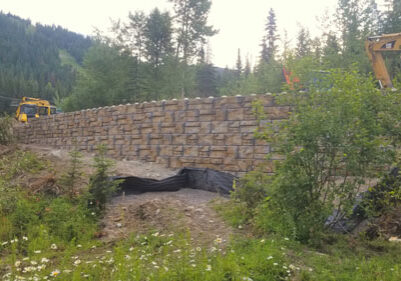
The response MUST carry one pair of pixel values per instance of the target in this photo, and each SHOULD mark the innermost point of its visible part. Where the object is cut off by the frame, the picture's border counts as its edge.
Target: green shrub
(68, 221)
(333, 141)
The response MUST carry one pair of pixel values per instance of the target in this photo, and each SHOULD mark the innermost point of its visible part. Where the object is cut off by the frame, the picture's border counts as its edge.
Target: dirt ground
(165, 212)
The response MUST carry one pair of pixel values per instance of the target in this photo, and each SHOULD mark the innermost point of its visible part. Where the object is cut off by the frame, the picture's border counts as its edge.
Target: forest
(162, 55)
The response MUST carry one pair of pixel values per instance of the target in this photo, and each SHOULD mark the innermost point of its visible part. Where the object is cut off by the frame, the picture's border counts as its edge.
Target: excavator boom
(374, 47)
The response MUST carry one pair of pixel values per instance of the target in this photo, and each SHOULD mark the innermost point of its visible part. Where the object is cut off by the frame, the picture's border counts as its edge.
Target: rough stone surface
(207, 133)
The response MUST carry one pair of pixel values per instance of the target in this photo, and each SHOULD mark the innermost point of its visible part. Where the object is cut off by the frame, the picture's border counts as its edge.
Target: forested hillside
(37, 60)
(165, 54)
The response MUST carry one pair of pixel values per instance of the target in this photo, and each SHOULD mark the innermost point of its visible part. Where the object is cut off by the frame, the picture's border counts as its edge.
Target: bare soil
(166, 212)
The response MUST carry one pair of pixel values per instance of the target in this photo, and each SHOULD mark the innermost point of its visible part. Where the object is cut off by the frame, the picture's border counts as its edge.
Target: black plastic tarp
(196, 178)
(371, 199)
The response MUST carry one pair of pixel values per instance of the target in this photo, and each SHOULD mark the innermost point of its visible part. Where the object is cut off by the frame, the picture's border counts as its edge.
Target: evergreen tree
(206, 80)
(238, 64)
(158, 37)
(392, 17)
(304, 43)
(355, 19)
(192, 30)
(269, 46)
(247, 68)
(331, 52)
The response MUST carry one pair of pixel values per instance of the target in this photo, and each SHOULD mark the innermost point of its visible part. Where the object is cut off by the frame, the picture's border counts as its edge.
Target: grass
(44, 237)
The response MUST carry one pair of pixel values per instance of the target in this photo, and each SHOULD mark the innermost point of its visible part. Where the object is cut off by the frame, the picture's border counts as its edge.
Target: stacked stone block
(215, 132)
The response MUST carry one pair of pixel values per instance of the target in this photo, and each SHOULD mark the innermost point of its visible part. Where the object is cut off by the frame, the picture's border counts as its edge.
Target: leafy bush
(6, 133)
(333, 141)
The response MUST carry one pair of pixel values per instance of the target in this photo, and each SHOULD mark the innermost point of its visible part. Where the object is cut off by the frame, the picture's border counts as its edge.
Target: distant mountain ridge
(37, 60)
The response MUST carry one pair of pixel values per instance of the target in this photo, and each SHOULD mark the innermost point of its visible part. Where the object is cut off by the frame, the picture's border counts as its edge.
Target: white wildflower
(218, 240)
(208, 267)
(55, 273)
(53, 246)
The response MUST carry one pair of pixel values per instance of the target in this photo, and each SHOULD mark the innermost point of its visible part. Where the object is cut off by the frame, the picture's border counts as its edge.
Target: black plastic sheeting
(368, 199)
(196, 178)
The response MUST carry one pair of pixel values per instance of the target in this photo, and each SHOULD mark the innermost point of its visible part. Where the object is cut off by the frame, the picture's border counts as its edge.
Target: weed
(6, 133)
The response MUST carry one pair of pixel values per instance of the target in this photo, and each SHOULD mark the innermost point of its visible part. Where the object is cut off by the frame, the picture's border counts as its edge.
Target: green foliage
(18, 163)
(100, 186)
(67, 221)
(71, 179)
(6, 133)
(191, 18)
(334, 140)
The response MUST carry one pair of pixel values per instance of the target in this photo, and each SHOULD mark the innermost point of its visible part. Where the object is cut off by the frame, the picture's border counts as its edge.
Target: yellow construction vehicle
(374, 47)
(33, 108)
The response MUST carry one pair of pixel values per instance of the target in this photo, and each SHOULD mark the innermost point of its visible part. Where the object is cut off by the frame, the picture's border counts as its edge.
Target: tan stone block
(245, 152)
(166, 150)
(233, 139)
(192, 151)
(275, 112)
(179, 139)
(262, 149)
(217, 154)
(219, 127)
(235, 114)
(187, 160)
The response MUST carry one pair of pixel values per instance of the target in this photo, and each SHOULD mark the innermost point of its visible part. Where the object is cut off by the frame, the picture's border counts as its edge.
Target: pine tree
(238, 64)
(304, 43)
(157, 37)
(269, 46)
(247, 69)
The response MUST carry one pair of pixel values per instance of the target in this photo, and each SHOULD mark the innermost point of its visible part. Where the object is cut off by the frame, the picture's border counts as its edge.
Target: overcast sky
(240, 22)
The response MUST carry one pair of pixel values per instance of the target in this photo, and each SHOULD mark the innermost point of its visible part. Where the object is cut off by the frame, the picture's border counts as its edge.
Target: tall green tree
(158, 37)
(104, 80)
(356, 19)
(392, 17)
(304, 43)
(130, 37)
(192, 29)
(238, 64)
(269, 42)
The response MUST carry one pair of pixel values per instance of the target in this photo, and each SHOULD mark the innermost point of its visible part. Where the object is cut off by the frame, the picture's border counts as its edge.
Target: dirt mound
(166, 212)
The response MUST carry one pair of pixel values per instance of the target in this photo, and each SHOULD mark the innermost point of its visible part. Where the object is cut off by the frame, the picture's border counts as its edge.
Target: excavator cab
(30, 108)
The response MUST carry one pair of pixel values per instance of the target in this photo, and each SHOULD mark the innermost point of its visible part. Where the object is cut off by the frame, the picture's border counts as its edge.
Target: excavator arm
(375, 46)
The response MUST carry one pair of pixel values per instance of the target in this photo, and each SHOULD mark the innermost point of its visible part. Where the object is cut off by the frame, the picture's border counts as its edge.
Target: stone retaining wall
(215, 132)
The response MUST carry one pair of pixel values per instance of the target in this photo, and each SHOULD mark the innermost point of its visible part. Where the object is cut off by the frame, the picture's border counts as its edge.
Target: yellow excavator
(375, 46)
(33, 108)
